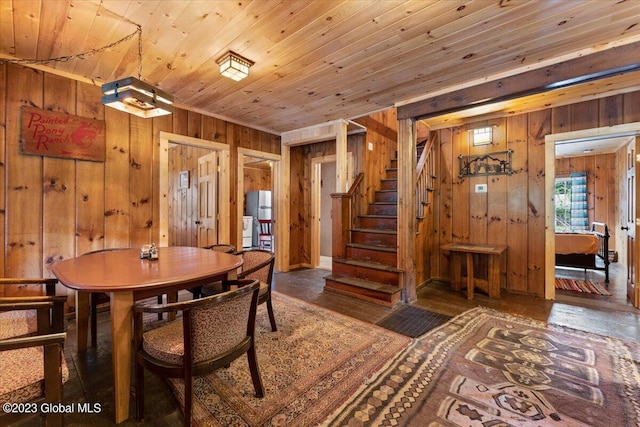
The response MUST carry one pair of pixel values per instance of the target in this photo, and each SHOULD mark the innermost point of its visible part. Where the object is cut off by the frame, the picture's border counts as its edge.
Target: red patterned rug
(584, 286)
(489, 368)
(316, 360)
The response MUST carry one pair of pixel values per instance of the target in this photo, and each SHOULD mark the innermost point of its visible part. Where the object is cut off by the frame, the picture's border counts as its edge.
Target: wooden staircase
(368, 270)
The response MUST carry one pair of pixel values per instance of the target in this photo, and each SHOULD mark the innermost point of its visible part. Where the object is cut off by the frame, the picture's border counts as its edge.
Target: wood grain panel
(140, 173)
(460, 215)
(517, 195)
(59, 186)
(584, 115)
(160, 124)
(539, 126)
(117, 195)
(90, 182)
(631, 107)
(497, 188)
(443, 197)
(611, 110)
(24, 182)
(299, 205)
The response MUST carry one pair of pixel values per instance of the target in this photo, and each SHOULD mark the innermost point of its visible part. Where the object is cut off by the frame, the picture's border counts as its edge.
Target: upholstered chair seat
(23, 374)
(32, 364)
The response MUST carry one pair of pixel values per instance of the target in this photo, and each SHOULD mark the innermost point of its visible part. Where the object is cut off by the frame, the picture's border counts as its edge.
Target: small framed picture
(184, 179)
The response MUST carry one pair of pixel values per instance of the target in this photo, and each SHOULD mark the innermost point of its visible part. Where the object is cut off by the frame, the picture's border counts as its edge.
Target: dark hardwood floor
(90, 372)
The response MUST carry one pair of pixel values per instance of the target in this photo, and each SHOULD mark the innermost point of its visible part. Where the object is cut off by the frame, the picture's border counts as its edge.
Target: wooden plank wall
(59, 208)
(512, 211)
(256, 179)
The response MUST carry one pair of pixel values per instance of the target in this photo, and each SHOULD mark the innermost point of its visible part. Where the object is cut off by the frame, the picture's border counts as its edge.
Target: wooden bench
(496, 260)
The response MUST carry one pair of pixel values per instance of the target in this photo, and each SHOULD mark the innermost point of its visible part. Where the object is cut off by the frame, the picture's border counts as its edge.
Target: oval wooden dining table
(128, 278)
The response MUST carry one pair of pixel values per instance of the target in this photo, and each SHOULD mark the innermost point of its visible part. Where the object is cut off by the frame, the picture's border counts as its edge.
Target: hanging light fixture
(136, 97)
(234, 66)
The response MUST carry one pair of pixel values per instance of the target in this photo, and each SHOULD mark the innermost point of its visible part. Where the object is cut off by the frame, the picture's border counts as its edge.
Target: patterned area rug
(412, 321)
(488, 368)
(315, 360)
(583, 286)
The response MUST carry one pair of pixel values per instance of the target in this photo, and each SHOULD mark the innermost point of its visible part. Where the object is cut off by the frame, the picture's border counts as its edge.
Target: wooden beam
(376, 126)
(615, 61)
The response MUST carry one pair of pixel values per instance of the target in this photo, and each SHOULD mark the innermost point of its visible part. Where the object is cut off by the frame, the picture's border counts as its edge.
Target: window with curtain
(571, 203)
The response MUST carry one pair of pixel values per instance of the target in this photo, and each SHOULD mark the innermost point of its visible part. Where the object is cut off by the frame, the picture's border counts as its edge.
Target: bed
(588, 250)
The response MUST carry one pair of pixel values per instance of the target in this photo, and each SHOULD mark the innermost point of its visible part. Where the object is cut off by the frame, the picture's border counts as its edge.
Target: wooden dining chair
(258, 264)
(190, 346)
(32, 364)
(220, 247)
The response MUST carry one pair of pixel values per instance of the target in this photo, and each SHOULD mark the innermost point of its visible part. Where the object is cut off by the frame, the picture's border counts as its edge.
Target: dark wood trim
(599, 65)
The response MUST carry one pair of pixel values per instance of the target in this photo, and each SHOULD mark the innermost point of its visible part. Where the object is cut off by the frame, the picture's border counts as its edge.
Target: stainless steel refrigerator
(258, 205)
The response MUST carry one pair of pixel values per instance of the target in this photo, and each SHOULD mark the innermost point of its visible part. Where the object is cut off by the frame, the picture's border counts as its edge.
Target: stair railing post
(342, 218)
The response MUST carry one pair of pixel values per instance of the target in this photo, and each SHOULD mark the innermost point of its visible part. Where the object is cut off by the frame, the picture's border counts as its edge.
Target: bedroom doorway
(602, 155)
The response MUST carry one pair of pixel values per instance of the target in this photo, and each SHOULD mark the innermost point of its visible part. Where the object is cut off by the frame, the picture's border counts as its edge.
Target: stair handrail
(424, 177)
(356, 184)
(343, 217)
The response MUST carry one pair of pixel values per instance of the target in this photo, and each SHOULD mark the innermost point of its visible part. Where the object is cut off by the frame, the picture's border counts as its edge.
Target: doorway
(605, 149)
(257, 170)
(323, 184)
(172, 186)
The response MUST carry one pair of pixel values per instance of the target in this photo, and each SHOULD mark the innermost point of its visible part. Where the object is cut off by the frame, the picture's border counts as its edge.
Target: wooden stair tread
(375, 231)
(378, 216)
(367, 264)
(366, 284)
(373, 247)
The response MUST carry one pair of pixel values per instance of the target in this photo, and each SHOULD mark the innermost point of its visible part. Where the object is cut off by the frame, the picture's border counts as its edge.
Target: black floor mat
(412, 321)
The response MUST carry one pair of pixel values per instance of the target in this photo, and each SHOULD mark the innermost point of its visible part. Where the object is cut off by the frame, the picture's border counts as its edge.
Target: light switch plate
(481, 188)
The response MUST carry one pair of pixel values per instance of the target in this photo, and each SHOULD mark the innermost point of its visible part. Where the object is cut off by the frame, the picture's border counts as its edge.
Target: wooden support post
(341, 220)
(407, 206)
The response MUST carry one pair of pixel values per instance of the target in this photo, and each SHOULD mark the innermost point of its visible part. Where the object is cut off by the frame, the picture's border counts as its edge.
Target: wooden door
(207, 199)
(633, 282)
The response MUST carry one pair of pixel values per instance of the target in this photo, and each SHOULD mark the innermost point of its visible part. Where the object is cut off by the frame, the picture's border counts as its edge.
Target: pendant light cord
(84, 55)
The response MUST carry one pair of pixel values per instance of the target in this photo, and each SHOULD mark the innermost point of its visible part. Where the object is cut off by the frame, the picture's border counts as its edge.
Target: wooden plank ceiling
(316, 61)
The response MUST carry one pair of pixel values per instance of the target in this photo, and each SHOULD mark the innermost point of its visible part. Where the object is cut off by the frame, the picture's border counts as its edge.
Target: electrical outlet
(481, 188)
(370, 146)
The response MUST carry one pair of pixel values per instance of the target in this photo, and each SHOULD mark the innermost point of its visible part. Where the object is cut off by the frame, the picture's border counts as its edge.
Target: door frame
(275, 159)
(630, 129)
(316, 191)
(316, 202)
(224, 220)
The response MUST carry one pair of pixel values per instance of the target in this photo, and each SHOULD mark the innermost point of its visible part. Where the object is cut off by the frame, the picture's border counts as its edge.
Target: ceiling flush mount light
(136, 97)
(482, 135)
(234, 66)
